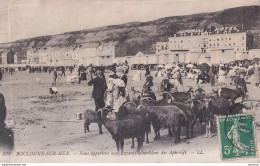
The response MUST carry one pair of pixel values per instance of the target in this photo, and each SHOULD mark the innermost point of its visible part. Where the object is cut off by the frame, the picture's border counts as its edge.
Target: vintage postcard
(143, 81)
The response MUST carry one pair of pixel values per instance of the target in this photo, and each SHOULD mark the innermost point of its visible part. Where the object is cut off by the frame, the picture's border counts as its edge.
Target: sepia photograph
(129, 81)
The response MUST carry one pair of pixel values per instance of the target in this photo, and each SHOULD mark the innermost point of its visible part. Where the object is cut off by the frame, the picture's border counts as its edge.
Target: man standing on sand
(63, 71)
(99, 88)
(55, 75)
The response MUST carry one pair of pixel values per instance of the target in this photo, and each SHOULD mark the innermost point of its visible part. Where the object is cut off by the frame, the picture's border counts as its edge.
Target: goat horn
(145, 98)
(169, 94)
(127, 103)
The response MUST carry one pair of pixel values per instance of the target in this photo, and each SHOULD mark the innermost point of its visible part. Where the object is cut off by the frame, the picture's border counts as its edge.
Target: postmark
(237, 136)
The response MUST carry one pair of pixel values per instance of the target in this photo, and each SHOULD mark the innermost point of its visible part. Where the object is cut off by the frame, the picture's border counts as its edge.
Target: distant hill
(142, 36)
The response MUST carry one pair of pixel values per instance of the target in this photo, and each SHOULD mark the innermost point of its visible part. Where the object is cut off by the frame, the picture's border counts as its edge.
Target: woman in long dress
(222, 76)
(256, 74)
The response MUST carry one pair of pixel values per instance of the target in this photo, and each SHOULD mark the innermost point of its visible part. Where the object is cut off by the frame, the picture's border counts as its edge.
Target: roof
(88, 45)
(111, 43)
(223, 48)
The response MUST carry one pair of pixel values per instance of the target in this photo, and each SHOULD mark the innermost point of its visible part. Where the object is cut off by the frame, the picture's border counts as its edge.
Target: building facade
(9, 57)
(162, 47)
(79, 54)
(239, 42)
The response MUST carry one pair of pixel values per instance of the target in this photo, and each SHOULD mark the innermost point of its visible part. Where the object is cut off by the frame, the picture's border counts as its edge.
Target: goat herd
(174, 111)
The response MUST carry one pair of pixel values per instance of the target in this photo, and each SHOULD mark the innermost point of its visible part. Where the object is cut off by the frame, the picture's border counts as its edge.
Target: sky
(30, 18)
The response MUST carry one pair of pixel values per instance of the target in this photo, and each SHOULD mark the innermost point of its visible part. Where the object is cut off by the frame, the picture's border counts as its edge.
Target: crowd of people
(111, 92)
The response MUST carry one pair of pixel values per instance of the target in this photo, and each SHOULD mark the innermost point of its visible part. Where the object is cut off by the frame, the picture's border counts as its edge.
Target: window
(210, 45)
(223, 51)
(107, 56)
(181, 41)
(230, 38)
(217, 39)
(237, 49)
(243, 38)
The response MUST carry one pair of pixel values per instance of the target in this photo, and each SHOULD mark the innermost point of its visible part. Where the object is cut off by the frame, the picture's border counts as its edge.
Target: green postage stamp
(237, 136)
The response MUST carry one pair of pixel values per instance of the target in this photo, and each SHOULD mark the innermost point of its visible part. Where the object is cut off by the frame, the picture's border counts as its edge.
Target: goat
(187, 108)
(125, 111)
(231, 94)
(127, 127)
(90, 116)
(219, 106)
(170, 116)
(178, 96)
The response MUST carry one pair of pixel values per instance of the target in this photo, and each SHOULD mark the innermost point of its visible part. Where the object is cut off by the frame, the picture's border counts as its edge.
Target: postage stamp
(237, 136)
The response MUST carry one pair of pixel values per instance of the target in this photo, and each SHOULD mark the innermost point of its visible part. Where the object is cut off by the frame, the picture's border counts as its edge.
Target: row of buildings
(223, 44)
(80, 54)
(199, 46)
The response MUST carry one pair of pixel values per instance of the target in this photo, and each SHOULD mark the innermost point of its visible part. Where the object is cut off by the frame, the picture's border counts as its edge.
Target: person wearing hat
(55, 76)
(241, 83)
(147, 92)
(99, 88)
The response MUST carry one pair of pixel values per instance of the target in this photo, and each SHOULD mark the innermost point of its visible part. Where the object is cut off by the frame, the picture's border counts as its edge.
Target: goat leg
(86, 126)
(122, 146)
(191, 131)
(139, 143)
(188, 130)
(207, 129)
(133, 143)
(147, 139)
(117, 145)
(100, 128)
(170, 131)
(178, 134)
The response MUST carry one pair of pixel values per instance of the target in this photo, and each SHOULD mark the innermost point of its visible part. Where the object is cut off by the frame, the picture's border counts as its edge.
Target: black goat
(123, 128)
(231, 94)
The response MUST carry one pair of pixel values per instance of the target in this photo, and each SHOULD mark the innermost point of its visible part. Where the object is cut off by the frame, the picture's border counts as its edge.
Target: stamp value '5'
(237, 136)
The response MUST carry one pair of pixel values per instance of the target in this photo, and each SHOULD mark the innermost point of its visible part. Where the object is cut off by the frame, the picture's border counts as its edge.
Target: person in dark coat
(124, 78)
(99, 88)
(147, 70)
(2, 111)
(55, 76)
(179, 77)
(212, 74)
(241, 83)
(1, 74)
(6, 135)
(63, 71)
